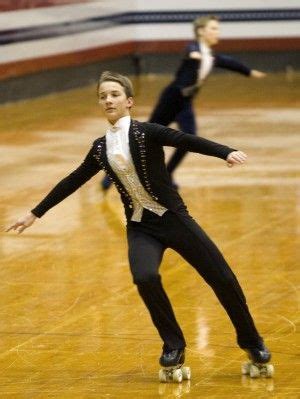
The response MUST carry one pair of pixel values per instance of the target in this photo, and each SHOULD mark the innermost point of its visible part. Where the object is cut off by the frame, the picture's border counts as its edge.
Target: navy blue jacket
(187, 73)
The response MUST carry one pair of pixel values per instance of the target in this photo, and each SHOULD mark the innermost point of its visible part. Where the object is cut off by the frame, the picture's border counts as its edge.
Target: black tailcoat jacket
(146, 142)
(188, 71)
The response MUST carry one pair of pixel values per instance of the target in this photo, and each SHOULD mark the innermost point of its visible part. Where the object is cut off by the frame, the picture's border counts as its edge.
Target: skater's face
(113, 101)
(210, 33)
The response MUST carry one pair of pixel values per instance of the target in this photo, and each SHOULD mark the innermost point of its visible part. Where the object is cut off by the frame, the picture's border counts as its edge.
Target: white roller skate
(173, 369)
(258, 365)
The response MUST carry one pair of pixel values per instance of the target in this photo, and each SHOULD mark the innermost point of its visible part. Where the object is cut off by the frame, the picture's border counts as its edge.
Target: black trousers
(147, 242)
(174, 107)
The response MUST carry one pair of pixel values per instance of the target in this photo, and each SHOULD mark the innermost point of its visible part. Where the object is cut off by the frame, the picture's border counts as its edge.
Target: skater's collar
(204, 48)
(122, 123)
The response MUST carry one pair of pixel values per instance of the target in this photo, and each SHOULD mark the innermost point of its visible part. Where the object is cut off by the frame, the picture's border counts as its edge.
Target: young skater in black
(176, 100)
(131, 153)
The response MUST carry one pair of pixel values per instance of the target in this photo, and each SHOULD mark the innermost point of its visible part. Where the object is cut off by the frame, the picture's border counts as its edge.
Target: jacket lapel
(101, 157)
(134, 138)
(137, 146)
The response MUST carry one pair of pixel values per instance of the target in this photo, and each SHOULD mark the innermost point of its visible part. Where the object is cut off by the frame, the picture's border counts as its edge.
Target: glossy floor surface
(72, 323)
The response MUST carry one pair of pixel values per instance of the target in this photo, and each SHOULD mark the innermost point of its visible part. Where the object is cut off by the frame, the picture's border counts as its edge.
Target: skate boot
(259, 357)
(105, 183)
(172, 362)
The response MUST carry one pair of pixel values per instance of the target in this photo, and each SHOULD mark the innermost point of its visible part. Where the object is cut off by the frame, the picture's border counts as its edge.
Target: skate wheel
(186, 373)
(269, 370)
(254, 371)
(177, 375)
(162, 376)
(245, 368)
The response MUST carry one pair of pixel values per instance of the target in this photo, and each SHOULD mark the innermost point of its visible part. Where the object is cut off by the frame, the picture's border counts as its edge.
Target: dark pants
(174, 107)
(147, 242)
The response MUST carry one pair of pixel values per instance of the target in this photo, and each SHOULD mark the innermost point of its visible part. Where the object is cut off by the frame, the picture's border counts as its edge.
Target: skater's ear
(130, 102)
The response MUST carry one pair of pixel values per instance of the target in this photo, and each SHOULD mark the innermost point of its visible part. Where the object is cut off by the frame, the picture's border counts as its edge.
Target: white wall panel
(66, 44)
(236, 30)
(215, 4)
(59, 14)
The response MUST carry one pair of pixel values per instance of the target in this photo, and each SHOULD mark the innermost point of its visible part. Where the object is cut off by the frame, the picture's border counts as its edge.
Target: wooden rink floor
(72, 323)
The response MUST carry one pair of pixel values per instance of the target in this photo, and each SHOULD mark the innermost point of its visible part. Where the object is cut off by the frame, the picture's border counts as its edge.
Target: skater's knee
(229, 279)
(228, 285)
(146, 279)
(226, 281)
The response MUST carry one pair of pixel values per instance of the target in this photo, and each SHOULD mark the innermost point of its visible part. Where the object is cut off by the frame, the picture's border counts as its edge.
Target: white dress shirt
(120, 160)
(206, 61)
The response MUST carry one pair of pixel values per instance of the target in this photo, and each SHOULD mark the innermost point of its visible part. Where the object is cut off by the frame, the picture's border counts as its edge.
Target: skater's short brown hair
(201, 22)
(108, 76)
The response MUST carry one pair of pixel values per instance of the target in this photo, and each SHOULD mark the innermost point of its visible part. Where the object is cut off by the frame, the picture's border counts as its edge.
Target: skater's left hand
(257, 74)
(236, 157)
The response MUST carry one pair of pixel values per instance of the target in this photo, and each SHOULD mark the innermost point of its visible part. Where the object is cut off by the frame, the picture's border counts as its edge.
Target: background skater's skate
(258, 365)
(172, 363)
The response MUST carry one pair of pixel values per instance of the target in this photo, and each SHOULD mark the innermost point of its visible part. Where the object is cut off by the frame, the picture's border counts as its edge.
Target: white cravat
(206, 63)
(120, 160)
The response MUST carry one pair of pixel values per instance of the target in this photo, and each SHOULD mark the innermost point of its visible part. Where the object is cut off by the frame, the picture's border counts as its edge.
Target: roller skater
(131, 153)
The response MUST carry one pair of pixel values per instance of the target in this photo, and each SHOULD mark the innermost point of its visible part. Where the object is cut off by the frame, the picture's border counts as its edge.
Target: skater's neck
(204, 45)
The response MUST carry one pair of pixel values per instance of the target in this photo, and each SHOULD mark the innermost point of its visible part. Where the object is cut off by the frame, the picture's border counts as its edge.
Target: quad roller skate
(172, 363)
(258, 365)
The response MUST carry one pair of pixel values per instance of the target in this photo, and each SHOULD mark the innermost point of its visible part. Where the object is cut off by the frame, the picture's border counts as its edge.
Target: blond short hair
(201, 22)
(108, 76)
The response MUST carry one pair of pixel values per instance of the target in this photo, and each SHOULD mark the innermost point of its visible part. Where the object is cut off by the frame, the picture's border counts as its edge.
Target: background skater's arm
(227, 62)
(63, 189)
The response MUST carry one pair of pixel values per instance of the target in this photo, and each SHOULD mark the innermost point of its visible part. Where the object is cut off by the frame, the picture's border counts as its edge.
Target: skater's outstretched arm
(227, 62)
(62, 190)
(224, 61)
(166, 136)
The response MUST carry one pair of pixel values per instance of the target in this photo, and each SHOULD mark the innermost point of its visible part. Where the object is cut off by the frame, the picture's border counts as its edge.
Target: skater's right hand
(21, 224)
(257, 74)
